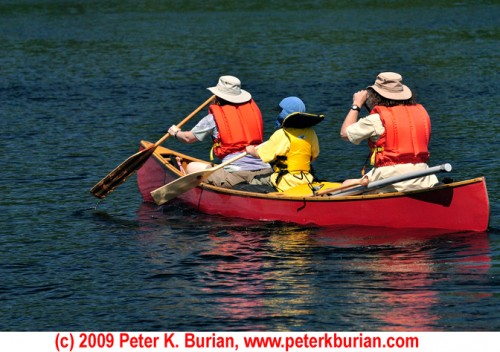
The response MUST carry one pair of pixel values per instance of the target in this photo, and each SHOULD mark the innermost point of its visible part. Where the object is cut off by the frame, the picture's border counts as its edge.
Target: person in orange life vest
(233, 122)
(291, 148)
(397, 129)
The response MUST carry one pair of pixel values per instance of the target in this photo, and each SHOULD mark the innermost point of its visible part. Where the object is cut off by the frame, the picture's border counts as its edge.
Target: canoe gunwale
(162, 152)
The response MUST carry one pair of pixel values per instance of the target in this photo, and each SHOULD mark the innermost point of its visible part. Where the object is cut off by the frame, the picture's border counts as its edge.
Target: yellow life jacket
(298, 158)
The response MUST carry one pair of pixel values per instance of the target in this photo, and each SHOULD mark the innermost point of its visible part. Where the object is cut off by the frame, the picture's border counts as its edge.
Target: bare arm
(250, 149)
(358, 99)
(183, 136)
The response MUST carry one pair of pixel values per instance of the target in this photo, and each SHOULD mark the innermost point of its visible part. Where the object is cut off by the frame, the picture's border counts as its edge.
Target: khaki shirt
(368, 127)
(371, 128)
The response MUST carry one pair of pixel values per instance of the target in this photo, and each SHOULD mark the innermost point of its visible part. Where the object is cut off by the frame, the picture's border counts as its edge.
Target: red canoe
(461, 206)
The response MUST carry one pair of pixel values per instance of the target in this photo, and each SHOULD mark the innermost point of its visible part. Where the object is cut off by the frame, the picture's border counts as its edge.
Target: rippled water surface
(81, 83)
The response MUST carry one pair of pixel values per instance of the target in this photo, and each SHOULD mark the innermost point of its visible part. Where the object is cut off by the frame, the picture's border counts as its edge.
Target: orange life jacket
(406, 137)
(238, 125)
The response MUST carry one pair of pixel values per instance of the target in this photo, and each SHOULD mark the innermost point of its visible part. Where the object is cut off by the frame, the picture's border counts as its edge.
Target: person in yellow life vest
(291, 148)
(398, 131)
(234, 121)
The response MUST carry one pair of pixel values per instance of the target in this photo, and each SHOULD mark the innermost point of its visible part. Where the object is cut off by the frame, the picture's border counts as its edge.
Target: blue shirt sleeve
(205, 127)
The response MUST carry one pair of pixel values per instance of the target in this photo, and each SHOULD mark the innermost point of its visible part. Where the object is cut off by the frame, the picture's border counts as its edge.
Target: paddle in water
(133, 163)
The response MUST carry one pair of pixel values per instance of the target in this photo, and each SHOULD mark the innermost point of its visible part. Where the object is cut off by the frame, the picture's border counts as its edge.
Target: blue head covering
(289, 105)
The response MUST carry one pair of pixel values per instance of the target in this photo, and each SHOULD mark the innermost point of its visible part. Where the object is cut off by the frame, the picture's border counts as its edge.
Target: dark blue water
(81, 83)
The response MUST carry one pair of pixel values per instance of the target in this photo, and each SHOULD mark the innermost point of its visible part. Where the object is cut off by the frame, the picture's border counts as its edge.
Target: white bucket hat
(390, 85)
(229, 88)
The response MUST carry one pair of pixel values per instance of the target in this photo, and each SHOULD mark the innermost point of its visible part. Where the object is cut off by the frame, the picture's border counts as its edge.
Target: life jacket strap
(371, 157)
(374, 154)
(215, 145)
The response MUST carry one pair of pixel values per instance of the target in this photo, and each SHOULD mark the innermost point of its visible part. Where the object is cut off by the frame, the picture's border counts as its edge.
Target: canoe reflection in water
(245, 275)
(407, 280)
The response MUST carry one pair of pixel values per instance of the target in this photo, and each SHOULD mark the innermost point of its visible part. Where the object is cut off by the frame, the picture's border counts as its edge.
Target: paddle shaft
(390, 180)
(363, 182)
(232, 160)
(183, 122)
(134, 162)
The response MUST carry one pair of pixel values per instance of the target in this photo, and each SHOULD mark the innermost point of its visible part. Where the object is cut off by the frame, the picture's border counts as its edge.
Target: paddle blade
(179, 186)
(189, 181)
(121, 172)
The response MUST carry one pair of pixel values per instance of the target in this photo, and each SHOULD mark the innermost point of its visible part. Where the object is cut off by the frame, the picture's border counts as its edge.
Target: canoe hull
(461, 206)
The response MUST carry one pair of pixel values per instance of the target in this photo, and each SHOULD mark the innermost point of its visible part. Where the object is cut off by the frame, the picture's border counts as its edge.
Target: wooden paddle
(308, 189)
(363, 182)
(185, 183)
(133, 163)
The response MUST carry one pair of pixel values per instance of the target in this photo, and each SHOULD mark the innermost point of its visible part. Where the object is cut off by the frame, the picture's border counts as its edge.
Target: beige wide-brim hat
(390, 85)
(229, 88)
